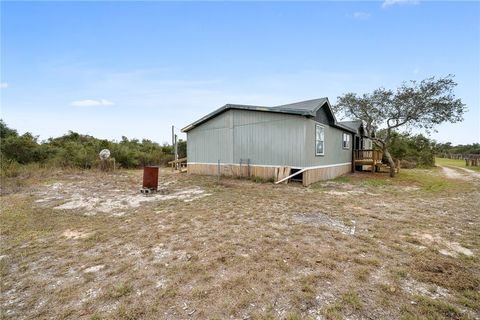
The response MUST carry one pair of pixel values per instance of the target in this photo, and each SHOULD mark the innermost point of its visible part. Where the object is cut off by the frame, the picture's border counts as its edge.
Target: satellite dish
(104, 154)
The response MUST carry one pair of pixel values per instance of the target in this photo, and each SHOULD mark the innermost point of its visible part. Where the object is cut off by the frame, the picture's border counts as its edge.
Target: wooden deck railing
(368, 155)
(178, 164)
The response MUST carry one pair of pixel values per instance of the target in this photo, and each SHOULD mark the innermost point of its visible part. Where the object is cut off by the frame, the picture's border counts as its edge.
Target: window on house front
(346, 141)
(319, 140)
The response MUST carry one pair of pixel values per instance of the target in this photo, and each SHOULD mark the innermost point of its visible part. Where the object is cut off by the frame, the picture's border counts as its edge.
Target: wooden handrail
(368, 154)
(177, 161)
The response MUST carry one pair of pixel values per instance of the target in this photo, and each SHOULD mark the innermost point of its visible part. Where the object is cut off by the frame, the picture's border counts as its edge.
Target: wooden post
(240, 173)
(353, 160)
(373, 161)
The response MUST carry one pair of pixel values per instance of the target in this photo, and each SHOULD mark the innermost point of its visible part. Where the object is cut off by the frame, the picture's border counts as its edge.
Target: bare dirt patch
(94, 268)
(91, 196)
(445, 247)
(325, 220)
(75, 234)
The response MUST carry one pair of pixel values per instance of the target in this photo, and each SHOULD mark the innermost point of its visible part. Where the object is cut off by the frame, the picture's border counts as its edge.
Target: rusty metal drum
(150, 177)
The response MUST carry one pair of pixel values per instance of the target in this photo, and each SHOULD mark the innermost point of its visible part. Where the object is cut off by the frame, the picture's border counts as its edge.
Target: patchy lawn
(88, 245)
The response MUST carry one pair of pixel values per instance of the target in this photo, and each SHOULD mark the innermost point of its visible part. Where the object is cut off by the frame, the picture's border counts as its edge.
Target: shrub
(77, 150)
(413, 150)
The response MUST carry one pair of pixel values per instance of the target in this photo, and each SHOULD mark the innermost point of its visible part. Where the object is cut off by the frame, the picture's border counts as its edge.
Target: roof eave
(240, 107)
(340, 126)
(205, 118)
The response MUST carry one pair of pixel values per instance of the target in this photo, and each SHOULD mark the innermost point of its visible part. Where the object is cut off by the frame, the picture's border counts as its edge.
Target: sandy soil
(88, 245)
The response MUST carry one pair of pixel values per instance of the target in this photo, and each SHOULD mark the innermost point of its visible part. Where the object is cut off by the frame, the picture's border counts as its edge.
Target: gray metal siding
(334, 151)
(268, 138)
(265, 138)
(323, 116)
(212, 140)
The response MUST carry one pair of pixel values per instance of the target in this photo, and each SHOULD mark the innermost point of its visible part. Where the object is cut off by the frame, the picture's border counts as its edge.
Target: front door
(357, 143)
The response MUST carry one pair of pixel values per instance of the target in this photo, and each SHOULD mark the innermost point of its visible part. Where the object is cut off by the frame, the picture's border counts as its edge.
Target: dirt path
(455, 174)
(471, 172)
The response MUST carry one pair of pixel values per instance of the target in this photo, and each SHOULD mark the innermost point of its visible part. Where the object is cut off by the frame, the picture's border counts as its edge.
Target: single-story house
(245, 140)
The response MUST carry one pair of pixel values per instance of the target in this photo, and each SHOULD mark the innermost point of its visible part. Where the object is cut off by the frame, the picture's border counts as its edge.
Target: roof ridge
(245, 105)
(303, 101)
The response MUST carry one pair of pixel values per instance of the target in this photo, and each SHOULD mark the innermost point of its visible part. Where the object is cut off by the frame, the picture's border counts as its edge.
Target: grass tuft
(120, 291)
(428, 308)
(352, 299)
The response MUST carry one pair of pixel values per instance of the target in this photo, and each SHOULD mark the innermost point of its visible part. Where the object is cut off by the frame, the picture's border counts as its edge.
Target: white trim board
(270, 166)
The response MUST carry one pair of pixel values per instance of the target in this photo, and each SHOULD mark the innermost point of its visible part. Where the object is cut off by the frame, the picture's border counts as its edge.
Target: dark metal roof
(306, 108)
(309, 107)
(354, 125)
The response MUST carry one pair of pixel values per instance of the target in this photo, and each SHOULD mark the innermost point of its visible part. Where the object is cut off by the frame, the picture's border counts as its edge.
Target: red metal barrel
(150, 177)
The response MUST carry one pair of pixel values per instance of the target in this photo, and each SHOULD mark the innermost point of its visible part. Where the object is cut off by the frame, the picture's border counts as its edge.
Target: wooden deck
(368, 157)
(180, 164)
(373, 158)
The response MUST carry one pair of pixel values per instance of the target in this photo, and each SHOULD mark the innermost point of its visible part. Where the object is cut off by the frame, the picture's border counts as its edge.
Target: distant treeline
(464, 149)
(81, 151)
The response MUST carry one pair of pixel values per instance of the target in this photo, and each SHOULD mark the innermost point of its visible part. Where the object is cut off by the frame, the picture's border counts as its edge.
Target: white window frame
(323, 142)
(346, 142)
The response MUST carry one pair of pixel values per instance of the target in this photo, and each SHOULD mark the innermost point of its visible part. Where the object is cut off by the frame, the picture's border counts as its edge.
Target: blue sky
(135, 68)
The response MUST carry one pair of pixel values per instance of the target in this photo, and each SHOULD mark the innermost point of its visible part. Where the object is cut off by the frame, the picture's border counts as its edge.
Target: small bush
(9, 168)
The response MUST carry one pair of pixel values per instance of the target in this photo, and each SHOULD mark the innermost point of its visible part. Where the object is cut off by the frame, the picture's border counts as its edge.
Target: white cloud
(361, 15)
(3, 85)
(92, 103)
(389, 3)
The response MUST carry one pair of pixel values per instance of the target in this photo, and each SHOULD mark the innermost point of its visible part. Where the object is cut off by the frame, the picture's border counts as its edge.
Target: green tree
(182, 149)
(422, 105)
(416, 149)
(5, 131)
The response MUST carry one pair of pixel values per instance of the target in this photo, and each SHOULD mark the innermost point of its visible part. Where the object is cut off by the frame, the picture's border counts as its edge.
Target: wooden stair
(372, 158)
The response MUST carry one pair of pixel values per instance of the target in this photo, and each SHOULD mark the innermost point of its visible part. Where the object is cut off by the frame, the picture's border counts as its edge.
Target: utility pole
(176, 151)
(173, 135)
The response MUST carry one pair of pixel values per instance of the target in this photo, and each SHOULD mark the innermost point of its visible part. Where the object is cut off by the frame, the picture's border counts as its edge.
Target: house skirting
(315, 174)
(232, 170)
(310, 174)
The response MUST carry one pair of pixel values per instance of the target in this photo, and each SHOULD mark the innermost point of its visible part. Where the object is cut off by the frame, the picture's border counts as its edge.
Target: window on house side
(319, 140)
(346, 141)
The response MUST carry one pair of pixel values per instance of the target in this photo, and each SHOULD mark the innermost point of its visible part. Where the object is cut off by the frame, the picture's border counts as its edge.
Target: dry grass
(240, 249)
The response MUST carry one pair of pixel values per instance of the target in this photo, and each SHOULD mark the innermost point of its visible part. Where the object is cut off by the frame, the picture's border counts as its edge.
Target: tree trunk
(390, 162)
